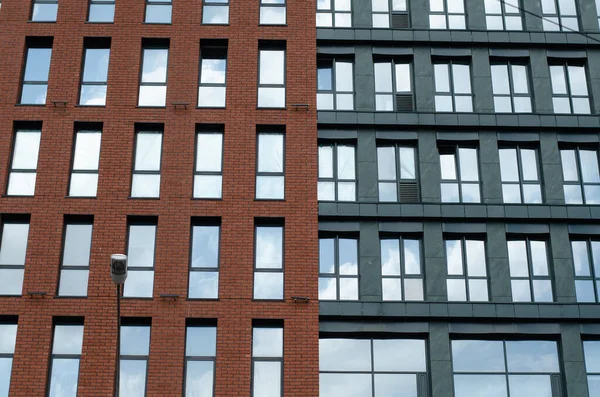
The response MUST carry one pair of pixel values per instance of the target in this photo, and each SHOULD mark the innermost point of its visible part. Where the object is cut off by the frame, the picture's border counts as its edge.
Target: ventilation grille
(409, 192)
(422, 387)
(556, 385)
(400, 21)
(404, 103)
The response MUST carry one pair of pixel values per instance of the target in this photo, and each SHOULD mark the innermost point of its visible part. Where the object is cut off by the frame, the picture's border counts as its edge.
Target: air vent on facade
(422, 385)
(404, 103)
(400, 21)
(556, 383)
(409, 192)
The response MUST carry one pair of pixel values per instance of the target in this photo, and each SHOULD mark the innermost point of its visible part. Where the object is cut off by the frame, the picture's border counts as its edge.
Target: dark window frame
(449, 63)
(399, 181)
(84, 129)
(81, 221)
(403, 275)
(335, 178)
(136, 322)
(213, 359)
(336, 275)
(35, 43)
(580, 183)
(158, 3)
(269, 223)
(521, 182)
(465, 268)
(511, 85)
(394, 92)
(100, 2)
(333, 12)
(153, 44)
(204, 222)
(270, 130)
(11, 170)
(454, 149)
(565, 64)
(330, 63)
(213, 50)
(272, 46)
(141, 221)
(215, 3)
(447, 14)
(36, 2)
(273, 324)
(390, 14)
(532, 277)
(93, 44)
(504, 15)
(59, 323)
(593, 277)
(262, 4)
(208, 129)
(559, 18)
(25, 220)
(9, 321)
(154, 130)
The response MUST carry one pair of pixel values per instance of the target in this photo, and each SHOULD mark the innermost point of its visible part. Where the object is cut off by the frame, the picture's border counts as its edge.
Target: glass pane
(529, 165)
(267, 342)
(269, 97)
(388, 192)
(344, 101)
(592, 355)
(573, 194)
(477, 356)
(272, 67)
(581, 106)
(324, 19)
(470, 193)
(442, 79)
(37, 67)
(561, 105)
(380, 5)
(14, 243)
(502, 104)
(323, 4)
(268, 285)
(208, 186)
(403, 78)
(412, 257)
(270, 187)
(270, 153)
(585, 291)
(344, 77)
(454, 257)
(383, 75)
(548, 6)
(522, 104)
(532, 356)
(390, 257)
(594, 385)
(135, 340)
(517, 259)
(456, 6)
(148, 152)
(461, 78)
(569, 165)
(519, 75)
(476, 258)
(96, 65)
(386, 163)
(272, 15)
(201, 342)
(324, 77)
(511, 193)
(158, 14)
(468, 164)
(532, 194)
(78, 241)
(443, 103)
(68, 339)
(345, 355)
(11, 281)
(63, 378)
(480, 386)
(326, 191)
(215, 14)
(93, 95)
(73, 283)
(203, 285)
(349, 289)
(348, 256)
(5, 374)
(26, 150)
(397, 385)
(199, 378)
(209, 152)
(346, 191)
(34, 94)
(520, 291)
(407, 163)
(500, 83)
(8, 338)
(509, 170)
(87, 151)
(154, 67)
(325, 162)
(413, 289)
(542, 291)
(326, 256)
(539, 258)
(456, 290)
(102, 13)
(205, 246)
(327, 288)
(342, 5)
(269, 247)
(348, 385)
(211, 96)
(325, 101)
(391, 289)
(437, 21)
(596, 256)
(589, 165)
(132, 380)
(213, 71)
(139, 284)
(577, 80)
(478, 291)
(21, 184)
(345, 162)
(448, 166)
(494, 22)
(386, 354)
(384, 103)
(557, 76)
(152, 95)
(580, 258)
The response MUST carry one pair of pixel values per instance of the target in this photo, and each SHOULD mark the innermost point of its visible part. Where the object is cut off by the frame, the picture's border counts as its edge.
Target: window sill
(90, 106)
(81, 197)
(214, 24)
(269, 200)
(39, 105)
(99, 23)
(143, 198)
(17, 196)
(146, 298)
(151, 107)
(281, 25)
(157, 23)
(202, 299)
(210, 107)
(32, 21)
(207, 199)
(62, 297)
(268, 300)
(282, 108)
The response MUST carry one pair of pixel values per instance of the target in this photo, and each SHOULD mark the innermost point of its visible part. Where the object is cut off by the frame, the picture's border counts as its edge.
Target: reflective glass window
(75, 266)
(102, 11)
(521, 176)
(401, 269)
(158, 11)
(559, 15)
(510, 86)
(213, 74)
(397, 174)
(335, 84)
(453, 87)
(215, 12)
(35, 76)
(591, 349)
(586, 263)
(338, 268)
(268, 262)
(529, 271)
(393, 86)
(13, 249)
(270, 166)
(569, 89)
(467, 270)
(86, 160)
(581, 175)
(503, 15)
(44, 10)
(23, 168)
(147, 164)
(337, 172)
(271, 77)
(204, 263)
(8, 339)
(390, 14)
(447, 14)
(66, 354)
(140, 256)
(267, 361)
(153, 79)
(208, 170)
(460, 175)
(334, 13)
(272, 12)
(94, 78)
(135, 349)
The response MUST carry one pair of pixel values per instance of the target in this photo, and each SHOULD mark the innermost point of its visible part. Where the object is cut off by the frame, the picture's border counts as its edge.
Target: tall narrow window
(460, 175)
(271, 79)
(153, 79)
(268, 262)
(337, 172)
(208, 171)
(397, 173)
(503, 15)
(102, 11)
(13, 249)
(215, 12)
(44, 10)
(393, 84)
(581, 175)
(338, 268)
(586, 260)
(397, 19)
(158, 11)
(510, 85)
(147, 164)
(204, 263)
(529, 275)
(23, 169)
(592, 365)
(94, 79)
(447, 14)
(86, 160)
(270, 166)
(8, 337)
(66, 354)
(272, 12)
(135, 349)
(520, 175)
(35, 76)
(401, 270)
(267, 360)
(75, 267)
(559, 15)
(334, 13)
(213, 73)
(467, 270)
(140, 253)
(453, 87)
(569, 89)
(200, 358)
(335, 85)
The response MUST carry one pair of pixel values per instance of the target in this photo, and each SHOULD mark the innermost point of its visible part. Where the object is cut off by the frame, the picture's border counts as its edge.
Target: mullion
(580, 175)
(398, 167)
(336, 262)
(458, 172)
(520, 171)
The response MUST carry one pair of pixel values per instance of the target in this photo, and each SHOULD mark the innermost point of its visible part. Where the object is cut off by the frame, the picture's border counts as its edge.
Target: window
(447, 14)
(335, 87)
(23, 168)
(44, 10)
(271, 78)
(213, 73)
(140, 256)
(8, 336)
(393, 161)
(460, 175)
(337, 172)
(372, 367)
(503, 15)
(591, 351)
(200, 357)
(393, 90)
(66, 353)
(401, 270)
(398, 19)
(208, 173)
(467, 274)
(510, 85)
(581, 175)
(215, 12)
(598, 11)
(86, 159)
(158, 11)
(95, 75)
(453, 87)
(146, 170)
(586, 260)
(102, 11)
(153, 81)
(520, 175)
(268, 261)
(505, 368)
(13, 248)
(529, 275)
(334, 14)
(338, 268)
(569, 89)
(35, 77)
(135, 349)
(267, 360)
(75, 267)
(204, 263)
(272, 12)
(270, 167)
(559, 15)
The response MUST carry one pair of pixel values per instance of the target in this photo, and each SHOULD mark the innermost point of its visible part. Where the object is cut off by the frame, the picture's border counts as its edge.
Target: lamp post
(118, 274)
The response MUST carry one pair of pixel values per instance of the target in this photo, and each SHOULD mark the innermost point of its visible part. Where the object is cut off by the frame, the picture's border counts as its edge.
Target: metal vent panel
(400, 21)
(409, 192)
(404, 103)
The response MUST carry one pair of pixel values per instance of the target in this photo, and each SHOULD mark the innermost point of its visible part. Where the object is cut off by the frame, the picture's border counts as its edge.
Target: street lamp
(118, 274)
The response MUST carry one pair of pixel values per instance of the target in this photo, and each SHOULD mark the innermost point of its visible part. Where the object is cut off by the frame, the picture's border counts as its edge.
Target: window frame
(521, 182)
(403, 275)
(11, 170)
(530, 269)
(215, 3)
(331, 64)
(504, 15)
(83, 130)
(396, 146)
(160, 44)
(83, 83)
(149, 130)
(336, 275)
(565, 65)
(558, 15)
(272, 324)
(447, 14)
(62, 356)
(335, 178)
(449, 63)
(334, 12)
(101, 2)
(204, 222)
(511, 85)
(454, 149)
(141, 221)
(208, 130)
(15, 221)
(150, 3)
(465, 276)
(592, 277)
(35, 45)
(580, 183)
(212, 359)
(43, 2)
(263, 4)
(134, 322)
(270, 131)
(212, 50)
(8, 322)
(270, 46)
(78, 221)
(390, 15)
(272, 224)
(394, 92)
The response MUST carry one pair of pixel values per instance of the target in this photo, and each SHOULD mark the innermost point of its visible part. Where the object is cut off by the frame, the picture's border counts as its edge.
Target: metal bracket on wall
(169, 296)
(300, 106)
(300, 299)
(36, 293)
(183, 105)
(59, 104)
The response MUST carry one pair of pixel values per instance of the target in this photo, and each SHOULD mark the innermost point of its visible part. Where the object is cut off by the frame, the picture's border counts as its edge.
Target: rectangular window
(591, 350)
(270, 166)
(200, 358)
(94, 79)
(13, 249)
(204, 263)
(581, 175)
(153, 79)
(208, 172)
(267, 360)
(268, 261)
(86, 160)
(147, 163)
(271, 77)
(529, 274)
(389, 367)
(44, 10)
(401, 270)
(397, 173)
(460, 175)
(102, 11)
(272, 12)
(158, 11)
(503, 15)
(213, 74)
(338, 268)
(337, 172)
(453, 87)
(393, 81)
(569, 89)
(215, 12)
(397, 19)
(559, 15)
(335, 86)
(510, 85)
(467, 270)
(140, 254)
(75, 266)
(23, 169)
(334, 13)
(66, 354)
(586, 260)
(447, 14)
(505, 368)
(135, 349)
(520, 175)
(8, 338)
(35, 76)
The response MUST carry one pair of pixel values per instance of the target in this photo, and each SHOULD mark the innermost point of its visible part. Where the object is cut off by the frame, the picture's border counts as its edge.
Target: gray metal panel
(332, 326)
(517, 328)
(450, 52)
(339, 226)
(401, 227)
(577, 138)
(527, 228)
(566, 54)
(397, 135)
(336, 50)
(457, 136)
(338, 134)
(508, 53)
(464, 228)
(392, 51)
(519, 136)
(584, 229)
